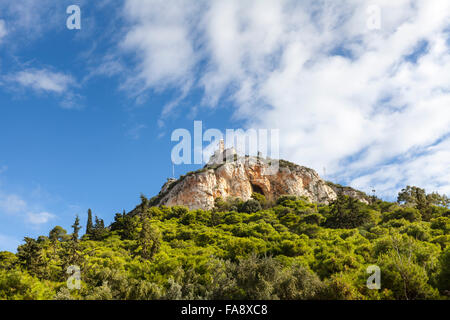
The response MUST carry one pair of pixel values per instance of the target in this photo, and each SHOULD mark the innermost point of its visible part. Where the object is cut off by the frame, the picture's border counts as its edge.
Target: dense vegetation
(290, 249)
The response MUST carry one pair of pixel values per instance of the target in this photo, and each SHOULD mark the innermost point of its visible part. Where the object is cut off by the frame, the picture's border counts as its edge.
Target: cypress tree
(89, 225)
(149, 239)
(76, 228)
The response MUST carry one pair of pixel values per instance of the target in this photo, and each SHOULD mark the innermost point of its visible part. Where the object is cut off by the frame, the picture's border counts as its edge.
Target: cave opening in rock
(257, 189)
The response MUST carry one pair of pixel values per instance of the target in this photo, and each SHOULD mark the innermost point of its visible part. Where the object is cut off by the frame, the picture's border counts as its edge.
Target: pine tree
(145, 203)
(149, 239)
(76, 228)
(99, 223)
(89, 225)
(30, 255)
(73, 256)
(99, 230)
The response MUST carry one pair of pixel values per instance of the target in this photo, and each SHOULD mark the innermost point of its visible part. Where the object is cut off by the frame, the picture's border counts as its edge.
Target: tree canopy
(255, 249)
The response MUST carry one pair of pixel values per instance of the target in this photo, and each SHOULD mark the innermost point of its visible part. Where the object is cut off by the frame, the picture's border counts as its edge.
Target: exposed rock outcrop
(241, 177)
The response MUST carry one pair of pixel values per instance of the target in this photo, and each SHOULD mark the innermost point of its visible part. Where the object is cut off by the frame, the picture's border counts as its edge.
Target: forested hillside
(290, 249)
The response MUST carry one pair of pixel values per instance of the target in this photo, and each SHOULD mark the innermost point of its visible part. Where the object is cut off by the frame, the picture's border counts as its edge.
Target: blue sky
(86, 115)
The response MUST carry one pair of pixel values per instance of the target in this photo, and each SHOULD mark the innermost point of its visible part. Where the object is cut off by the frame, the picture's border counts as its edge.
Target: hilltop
(239, 177)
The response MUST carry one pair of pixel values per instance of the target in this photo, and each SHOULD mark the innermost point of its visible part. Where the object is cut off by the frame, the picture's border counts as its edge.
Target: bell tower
(221, 146)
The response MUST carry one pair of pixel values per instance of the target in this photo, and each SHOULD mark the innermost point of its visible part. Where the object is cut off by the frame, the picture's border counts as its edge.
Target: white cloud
(8, 243)
(161, 38)
(13, 204)
(46, 81)
(39, 218)
(345, 97)
(43, 80)
(31, 18)
(135, 131)
(430, 170)
(28, 20)
(2, 29)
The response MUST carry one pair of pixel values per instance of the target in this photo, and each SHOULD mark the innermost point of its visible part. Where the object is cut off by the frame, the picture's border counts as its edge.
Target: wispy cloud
(15, 205)
(12, 203)
(30, 19)
(135, 131)
(2, 29)
(43, 81)
(430, 170)
(39, 218)
(161, 37)
(3, 169)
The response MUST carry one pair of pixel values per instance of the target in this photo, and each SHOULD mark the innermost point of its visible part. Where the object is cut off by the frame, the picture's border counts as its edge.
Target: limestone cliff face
(240, 178)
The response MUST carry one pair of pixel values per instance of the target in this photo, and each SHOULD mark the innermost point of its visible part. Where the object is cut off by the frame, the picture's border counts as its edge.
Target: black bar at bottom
(202, 309)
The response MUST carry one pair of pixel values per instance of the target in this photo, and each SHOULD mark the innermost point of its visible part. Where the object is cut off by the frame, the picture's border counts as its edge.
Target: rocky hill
(242, 176)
